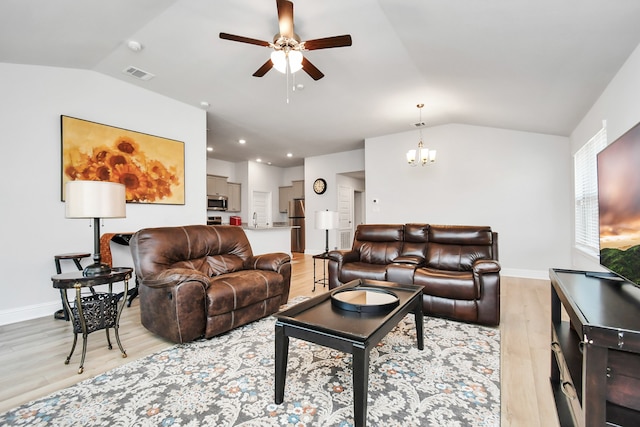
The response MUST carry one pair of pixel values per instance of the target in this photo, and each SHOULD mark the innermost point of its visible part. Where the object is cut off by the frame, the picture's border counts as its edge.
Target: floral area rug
(229, 381)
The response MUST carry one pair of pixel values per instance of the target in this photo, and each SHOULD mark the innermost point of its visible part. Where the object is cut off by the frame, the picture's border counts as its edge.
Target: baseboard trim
(29, 312)
(526, 274)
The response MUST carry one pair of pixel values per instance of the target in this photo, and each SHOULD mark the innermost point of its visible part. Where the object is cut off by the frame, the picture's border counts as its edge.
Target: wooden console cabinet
(595, 357)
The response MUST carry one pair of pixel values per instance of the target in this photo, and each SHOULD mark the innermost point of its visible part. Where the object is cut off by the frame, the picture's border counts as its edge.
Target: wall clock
(319, 186)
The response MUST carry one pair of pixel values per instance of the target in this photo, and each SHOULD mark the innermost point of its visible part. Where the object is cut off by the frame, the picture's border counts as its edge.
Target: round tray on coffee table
(365, 300)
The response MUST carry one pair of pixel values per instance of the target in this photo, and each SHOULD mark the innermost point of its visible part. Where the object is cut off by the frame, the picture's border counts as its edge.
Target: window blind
(586, 193)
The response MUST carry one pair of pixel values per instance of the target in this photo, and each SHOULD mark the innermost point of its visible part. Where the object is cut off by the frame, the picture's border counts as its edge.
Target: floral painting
(150, 167)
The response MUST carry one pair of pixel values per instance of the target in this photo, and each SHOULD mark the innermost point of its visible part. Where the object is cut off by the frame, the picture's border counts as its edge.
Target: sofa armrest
(175, 276)
(486, 266)
(343, 256)
(338, 258)
(272, 261)
(486, 274)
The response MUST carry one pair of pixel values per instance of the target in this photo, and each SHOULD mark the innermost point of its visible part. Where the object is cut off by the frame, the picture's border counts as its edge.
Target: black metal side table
(324, 257)
(96, 311)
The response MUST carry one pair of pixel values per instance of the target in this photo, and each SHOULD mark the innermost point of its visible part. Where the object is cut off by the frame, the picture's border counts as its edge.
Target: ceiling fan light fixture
(279, 59)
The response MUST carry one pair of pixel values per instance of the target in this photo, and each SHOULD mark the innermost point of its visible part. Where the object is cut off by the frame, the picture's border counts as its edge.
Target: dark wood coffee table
(318, 321)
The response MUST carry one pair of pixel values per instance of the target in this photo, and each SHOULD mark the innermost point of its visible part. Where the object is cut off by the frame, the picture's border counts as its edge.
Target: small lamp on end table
(95, 199)
(326, 220)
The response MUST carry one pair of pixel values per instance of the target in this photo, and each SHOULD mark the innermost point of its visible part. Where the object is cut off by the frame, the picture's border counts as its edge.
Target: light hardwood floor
(32, 353)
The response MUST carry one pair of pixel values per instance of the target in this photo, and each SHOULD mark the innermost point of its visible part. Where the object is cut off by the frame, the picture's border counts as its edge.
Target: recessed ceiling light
(209, 148)
(289, 154)
(242, 141)
(204, 104)
(259, 160)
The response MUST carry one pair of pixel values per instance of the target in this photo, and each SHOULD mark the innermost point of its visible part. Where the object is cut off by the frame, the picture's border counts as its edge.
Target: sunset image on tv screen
(619, 205)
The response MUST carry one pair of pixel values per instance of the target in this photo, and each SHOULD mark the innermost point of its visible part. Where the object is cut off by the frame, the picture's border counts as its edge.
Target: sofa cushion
(378, 244)
(239, 289)
(415, 242)
(456, 248)
(447, 284)
(362, 270)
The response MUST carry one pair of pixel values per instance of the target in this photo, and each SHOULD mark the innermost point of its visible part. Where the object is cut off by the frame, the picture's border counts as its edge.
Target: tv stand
(595, 358)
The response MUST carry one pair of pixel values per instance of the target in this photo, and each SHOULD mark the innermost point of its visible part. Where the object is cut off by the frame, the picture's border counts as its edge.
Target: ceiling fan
(287, 46)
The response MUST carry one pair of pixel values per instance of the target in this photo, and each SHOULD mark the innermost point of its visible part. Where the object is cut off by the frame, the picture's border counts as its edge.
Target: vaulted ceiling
(534, 66)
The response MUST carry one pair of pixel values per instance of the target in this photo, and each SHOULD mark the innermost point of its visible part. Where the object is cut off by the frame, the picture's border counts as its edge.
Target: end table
(94, 312)
(324, 257)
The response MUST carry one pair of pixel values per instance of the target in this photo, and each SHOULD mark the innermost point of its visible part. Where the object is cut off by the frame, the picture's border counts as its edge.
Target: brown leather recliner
(200, 281)
(457, 266)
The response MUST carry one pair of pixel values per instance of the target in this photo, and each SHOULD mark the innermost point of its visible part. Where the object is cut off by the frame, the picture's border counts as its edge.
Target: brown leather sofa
(200, 281)
(457, 266)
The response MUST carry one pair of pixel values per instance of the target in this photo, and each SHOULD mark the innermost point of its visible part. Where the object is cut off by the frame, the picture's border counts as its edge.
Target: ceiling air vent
(138, 73)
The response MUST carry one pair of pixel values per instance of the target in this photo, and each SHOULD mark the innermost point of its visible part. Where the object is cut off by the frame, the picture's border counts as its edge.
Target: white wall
(263, 178)
(295, 173)
(329, 167)
(258, 176)
(516, 182)
(619, 105)
(33, 225)
(222, 168)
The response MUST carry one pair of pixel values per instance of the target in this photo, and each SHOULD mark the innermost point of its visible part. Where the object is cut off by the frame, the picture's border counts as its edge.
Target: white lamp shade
(295, 60)
(95, 199)
(411, 156)
(326, 220)
(279, 61)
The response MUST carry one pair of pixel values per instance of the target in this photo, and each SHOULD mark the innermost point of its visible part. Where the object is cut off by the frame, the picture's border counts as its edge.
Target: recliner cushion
(455, 257)
(213, 265)
(362, 270)
(447, 284)
(457, 247)
(239, 289)
(378, 244)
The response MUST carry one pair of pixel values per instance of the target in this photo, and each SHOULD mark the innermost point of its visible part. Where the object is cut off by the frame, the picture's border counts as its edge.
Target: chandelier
(422, 155)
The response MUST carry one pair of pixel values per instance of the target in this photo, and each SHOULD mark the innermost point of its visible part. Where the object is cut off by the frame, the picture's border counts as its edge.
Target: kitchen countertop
(271, 227)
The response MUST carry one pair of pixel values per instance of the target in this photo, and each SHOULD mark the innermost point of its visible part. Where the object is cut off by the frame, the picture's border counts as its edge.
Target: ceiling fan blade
(328, 42)
(311, 69)
(263, 70)
(242, 39)
(285, 18)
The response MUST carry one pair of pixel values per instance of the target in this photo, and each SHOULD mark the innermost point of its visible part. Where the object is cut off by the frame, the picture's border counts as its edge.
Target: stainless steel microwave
(217, 203)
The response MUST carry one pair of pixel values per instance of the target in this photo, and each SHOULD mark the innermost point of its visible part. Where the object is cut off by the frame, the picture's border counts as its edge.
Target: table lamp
(326, 220)
(95, 199)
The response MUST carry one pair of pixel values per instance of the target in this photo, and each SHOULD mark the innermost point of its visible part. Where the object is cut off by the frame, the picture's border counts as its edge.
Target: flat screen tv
(619, 205)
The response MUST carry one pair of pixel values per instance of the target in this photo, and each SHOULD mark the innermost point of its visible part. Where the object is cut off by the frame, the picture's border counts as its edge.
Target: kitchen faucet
(255, 220)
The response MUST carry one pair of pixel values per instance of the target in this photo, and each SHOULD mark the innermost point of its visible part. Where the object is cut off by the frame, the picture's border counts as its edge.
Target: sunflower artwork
(150, 167)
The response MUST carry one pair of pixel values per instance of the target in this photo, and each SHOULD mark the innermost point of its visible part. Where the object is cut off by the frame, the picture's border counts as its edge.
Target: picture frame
(151, 167)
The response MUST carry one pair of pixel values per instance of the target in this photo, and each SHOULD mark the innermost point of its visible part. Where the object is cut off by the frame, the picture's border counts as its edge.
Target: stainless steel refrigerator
(296, 221)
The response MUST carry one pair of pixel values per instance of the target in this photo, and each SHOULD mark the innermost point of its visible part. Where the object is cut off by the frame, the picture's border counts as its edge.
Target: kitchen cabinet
(284, 195)
(298, 189)
(217, 185)
(234, 194)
